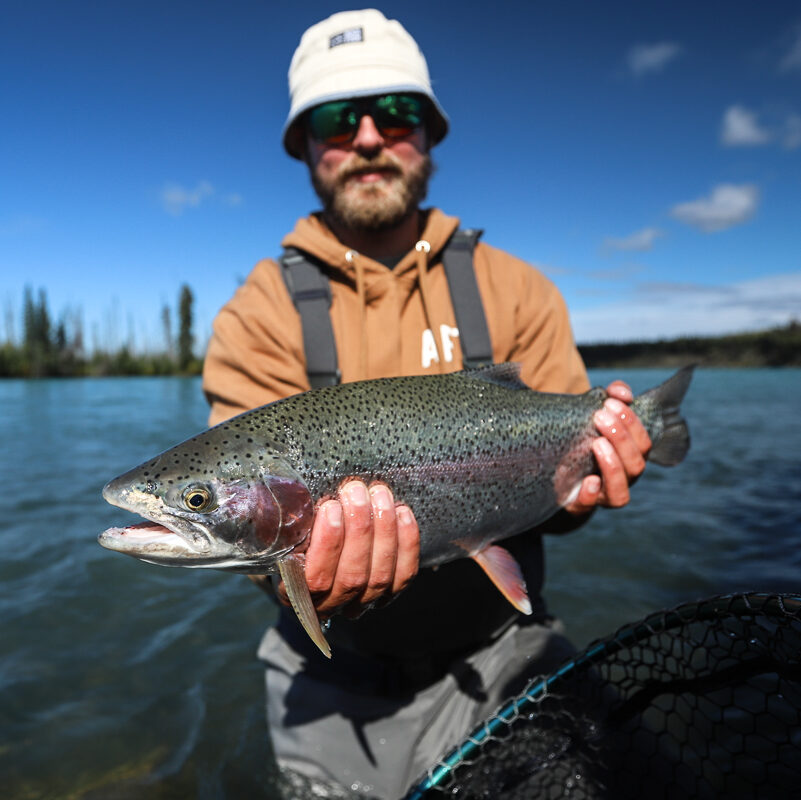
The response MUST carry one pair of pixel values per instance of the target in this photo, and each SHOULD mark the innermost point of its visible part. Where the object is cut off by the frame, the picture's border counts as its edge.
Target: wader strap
(457, 259)
(310, 290)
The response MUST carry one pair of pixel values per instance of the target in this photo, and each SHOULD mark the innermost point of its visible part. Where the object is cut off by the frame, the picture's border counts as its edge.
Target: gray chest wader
(310, 290)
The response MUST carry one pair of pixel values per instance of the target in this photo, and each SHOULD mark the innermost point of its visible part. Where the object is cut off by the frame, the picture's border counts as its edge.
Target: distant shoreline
(775, 347)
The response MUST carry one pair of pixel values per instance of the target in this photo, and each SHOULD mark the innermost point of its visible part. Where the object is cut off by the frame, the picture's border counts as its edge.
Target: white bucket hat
(357, 54)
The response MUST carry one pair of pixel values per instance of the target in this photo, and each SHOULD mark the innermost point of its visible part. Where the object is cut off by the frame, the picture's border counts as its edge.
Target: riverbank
(775, 347)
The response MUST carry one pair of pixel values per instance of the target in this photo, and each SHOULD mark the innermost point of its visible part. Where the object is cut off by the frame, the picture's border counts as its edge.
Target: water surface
(125, 680)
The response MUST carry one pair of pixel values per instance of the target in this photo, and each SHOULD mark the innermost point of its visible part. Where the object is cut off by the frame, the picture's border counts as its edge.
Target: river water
(125, 680)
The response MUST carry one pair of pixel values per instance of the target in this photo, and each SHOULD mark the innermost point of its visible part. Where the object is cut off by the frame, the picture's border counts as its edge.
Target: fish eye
(197, 498)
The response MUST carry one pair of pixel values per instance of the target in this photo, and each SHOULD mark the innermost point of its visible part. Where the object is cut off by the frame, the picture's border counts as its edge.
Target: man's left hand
(620, 451)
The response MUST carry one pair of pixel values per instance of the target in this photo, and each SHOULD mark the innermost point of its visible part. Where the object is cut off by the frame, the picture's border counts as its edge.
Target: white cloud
(664, 310)
(791, 135)
(639, 240)
(792, 58)
(176, 199)
(741, 128)
(233, 199)
(648, 58)
(728, 205)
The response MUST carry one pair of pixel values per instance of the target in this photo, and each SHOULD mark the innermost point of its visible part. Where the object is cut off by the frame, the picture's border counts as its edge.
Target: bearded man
(408, 678)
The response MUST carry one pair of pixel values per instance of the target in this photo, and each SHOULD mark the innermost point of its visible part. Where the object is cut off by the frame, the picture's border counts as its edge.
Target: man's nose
(368, 138)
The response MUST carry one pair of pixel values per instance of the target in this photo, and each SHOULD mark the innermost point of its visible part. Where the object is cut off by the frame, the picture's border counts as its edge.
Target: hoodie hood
(313, 236)
(372, 279)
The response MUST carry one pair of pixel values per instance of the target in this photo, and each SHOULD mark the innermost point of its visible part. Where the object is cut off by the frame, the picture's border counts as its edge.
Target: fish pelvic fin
(294, 576)
(672, 446)
(504, 571)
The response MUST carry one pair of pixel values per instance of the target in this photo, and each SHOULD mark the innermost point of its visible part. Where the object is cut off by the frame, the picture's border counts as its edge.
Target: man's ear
(427, 138)
(298, 141)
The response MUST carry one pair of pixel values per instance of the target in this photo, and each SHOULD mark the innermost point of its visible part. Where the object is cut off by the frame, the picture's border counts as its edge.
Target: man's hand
(620, 452)
(363, 550)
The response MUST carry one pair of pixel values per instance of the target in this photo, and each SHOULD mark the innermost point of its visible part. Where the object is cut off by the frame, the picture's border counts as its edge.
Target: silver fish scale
(476, 458)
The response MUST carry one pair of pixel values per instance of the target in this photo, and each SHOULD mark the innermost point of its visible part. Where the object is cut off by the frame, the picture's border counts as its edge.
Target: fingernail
(381, 498)
(604, 417)
(593, 484)
(624, 392)
(333, 513)
(356, 492)
(616, 407)
(405, 515)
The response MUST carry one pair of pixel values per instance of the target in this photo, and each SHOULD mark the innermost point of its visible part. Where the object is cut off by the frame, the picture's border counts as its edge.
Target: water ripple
(120, 679)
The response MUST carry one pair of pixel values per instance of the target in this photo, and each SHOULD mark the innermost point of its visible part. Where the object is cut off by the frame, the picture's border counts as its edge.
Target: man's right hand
(363, 550)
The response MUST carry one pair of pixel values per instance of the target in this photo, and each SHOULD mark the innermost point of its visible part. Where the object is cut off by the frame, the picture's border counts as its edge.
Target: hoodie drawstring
(352, 257)
(423, 248)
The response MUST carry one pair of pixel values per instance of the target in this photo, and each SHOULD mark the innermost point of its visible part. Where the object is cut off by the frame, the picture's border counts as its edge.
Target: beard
(375, 206)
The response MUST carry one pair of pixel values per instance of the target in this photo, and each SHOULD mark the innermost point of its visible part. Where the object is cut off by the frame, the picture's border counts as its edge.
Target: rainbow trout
(477, 455)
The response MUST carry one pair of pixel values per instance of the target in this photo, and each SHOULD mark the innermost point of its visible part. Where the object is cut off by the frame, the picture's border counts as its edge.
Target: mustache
(356, 165)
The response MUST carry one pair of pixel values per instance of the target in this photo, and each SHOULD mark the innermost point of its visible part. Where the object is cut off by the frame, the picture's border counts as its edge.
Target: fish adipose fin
(675, 439)
(294, 577)
(504, 571)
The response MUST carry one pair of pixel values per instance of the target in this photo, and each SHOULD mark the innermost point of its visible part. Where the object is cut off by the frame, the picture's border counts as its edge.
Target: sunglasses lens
(333, 123)
(397, 115)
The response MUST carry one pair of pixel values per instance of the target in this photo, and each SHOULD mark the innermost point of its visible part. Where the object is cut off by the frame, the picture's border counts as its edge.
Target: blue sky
(646, 156)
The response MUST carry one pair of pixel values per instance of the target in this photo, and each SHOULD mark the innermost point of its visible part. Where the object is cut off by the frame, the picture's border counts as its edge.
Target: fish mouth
(157, 544)
(148, 541)
(162, 535)
(171, 541)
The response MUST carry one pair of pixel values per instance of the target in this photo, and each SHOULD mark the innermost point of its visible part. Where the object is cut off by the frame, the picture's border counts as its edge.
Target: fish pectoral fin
(294, 577)
(504, 571)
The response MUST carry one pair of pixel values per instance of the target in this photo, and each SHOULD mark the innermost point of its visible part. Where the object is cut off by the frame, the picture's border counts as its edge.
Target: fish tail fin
(673, 444)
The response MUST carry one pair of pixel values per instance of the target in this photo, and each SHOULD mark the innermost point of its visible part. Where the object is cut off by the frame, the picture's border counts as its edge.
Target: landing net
(702, 701)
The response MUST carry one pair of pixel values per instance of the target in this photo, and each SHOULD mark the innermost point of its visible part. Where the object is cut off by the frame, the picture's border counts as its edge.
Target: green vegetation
(56, 349)
(185, 337)
(48, 350)
(777, 347)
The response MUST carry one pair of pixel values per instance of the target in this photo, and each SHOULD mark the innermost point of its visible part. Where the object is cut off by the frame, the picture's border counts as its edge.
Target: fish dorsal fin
(506, 375)
(504, 571)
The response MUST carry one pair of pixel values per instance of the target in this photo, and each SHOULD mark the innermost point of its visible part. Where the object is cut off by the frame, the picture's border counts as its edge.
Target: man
(408, 678)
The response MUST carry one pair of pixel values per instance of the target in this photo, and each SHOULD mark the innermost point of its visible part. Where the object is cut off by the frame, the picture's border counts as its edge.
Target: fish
(477, 455)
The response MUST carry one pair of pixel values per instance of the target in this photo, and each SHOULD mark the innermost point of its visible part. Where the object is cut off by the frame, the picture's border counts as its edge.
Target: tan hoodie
(386, 322)
(391, 322)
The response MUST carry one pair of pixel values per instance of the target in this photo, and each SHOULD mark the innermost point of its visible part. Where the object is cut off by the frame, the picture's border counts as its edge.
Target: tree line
(775, 347)
(57, 348)
(50, 348)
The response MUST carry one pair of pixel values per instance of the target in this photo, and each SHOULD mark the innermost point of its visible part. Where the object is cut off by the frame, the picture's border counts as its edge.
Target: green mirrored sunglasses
(395, 116)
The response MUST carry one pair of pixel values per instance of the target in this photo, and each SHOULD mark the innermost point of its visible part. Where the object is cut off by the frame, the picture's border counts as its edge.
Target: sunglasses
(395, 116)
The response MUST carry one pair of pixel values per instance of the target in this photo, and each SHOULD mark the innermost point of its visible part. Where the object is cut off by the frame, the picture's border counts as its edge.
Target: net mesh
(701, 701)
